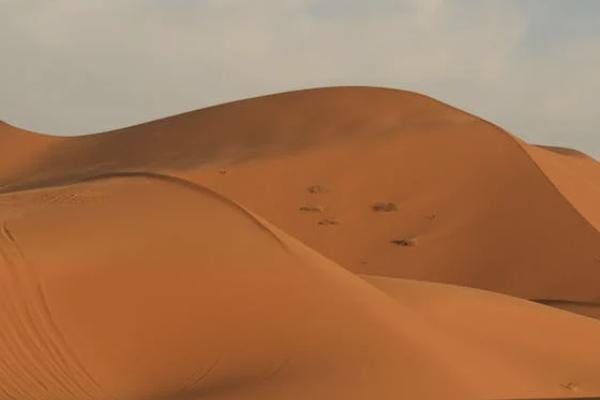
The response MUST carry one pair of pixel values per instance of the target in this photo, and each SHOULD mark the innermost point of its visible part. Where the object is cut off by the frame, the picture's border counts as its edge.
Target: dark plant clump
(384, 207)
(405, 242)
(311, 208)
(328, 221)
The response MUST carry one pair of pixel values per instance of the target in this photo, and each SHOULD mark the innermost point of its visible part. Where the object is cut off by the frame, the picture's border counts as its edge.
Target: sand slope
(576, 175)
(482, 208)
(146, 287)
(163, 290)
(514, 342)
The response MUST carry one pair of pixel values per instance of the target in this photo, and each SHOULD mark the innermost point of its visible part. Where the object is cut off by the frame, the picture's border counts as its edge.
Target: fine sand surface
(146, 287)
(351, 243)
(472, 205)
(576, 175)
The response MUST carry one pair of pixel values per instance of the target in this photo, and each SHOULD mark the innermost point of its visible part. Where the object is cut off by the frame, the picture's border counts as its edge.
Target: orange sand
(139, 285)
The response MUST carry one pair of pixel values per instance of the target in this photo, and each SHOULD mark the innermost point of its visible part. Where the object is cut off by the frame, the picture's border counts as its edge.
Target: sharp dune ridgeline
(351, 242)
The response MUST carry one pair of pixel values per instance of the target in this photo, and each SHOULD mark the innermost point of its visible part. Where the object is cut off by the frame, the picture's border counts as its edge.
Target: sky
(73, 67)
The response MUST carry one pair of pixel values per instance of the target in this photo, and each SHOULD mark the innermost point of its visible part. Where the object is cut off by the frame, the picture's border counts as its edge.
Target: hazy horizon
(529, 66)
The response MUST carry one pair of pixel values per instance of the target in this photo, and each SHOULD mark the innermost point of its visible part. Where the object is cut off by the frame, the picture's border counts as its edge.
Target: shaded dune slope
(200, 298)
(473, 205)
(576, 175)
(494, 331)
(175, 311)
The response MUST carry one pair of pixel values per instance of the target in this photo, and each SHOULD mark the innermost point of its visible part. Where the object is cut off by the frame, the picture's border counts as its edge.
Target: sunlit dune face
(322, 244)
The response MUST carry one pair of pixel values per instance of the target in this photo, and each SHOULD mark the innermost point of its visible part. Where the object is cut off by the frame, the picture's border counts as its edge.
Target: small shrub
(405, 242)
(311, 208)
(384, 207)
(328, 221)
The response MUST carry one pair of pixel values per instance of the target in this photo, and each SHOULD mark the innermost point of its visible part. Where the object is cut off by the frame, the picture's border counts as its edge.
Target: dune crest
(206, 300)
(351, 242)
(475, 201)
(173, 313)
(576, 176)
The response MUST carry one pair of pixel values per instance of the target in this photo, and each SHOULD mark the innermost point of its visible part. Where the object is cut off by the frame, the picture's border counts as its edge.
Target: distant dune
(323, 244)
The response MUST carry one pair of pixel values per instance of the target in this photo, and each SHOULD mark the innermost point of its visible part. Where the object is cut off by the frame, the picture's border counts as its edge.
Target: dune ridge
(9, 133)
(347, 242)
(256, 271)
(389, 325)
(17, 137)
(575, 176)
(306, 132)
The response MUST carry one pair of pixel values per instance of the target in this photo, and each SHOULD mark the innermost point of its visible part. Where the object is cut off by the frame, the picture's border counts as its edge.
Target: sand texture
(339, 243)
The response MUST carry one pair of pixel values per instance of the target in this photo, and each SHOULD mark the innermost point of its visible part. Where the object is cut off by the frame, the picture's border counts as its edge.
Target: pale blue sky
(531, 66)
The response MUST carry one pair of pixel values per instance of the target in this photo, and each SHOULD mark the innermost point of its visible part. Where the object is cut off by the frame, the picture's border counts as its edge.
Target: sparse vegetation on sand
(328, 221)
(385, 207)
(311, 208)
(404, 242)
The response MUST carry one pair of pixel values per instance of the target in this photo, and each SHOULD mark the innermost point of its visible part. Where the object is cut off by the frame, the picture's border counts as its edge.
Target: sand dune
(320, 244)
(482, 208)
(590, 310)
(146, 287)
(576, 175)
(489, 331)
(195, 299)
(477, 207)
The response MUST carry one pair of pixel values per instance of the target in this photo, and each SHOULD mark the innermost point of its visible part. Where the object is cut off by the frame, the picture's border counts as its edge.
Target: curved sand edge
(290, 300)
(477, 205)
